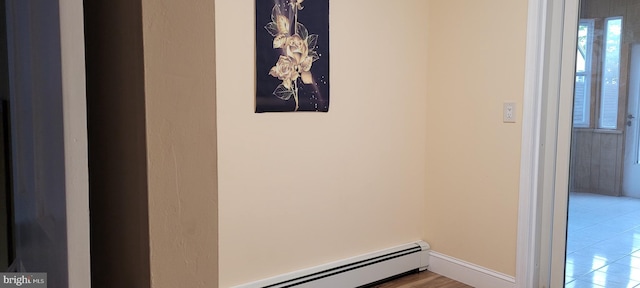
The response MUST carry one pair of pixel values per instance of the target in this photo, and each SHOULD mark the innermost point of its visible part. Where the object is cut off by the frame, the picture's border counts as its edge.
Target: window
(610, 74)
(582, 92)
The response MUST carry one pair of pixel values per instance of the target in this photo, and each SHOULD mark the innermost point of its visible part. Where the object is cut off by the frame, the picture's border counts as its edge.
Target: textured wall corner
(117, 145)
(180, 93)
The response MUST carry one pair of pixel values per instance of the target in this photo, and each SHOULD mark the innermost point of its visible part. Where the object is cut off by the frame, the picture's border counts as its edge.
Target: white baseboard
(355, 271)
(468, 273)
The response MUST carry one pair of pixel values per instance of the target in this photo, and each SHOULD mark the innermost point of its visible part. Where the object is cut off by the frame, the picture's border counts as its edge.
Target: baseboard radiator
(354, 272)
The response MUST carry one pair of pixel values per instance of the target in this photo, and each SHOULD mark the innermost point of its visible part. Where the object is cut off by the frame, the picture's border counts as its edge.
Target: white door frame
(74, 130)
(74, 103)
(546, 135)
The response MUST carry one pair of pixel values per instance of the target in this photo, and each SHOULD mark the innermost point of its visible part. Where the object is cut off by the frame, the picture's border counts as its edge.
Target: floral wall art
(292, 55)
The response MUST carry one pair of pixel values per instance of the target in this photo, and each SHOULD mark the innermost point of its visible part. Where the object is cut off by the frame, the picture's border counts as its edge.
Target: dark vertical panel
(595, 163)
(581, 161)
(619, 164)
(608, 150)
(4, 80)
(7, 252)
(573, 183)
(6, 218)
(117, 144)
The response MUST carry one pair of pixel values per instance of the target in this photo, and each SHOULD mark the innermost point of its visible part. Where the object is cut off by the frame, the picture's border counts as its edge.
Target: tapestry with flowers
(292, 55)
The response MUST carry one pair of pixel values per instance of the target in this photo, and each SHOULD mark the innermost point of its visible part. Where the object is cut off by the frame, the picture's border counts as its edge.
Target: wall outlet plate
(509, 112)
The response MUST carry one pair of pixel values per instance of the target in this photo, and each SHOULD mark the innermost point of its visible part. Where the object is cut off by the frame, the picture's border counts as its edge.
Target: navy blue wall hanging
(292, 55)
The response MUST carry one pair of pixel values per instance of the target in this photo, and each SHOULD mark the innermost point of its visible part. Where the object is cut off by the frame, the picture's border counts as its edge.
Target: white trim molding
(76, 159)
(527, 260)
(468, 273)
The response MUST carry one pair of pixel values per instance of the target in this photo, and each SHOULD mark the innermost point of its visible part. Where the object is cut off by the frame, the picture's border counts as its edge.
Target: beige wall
(387, 165)
(180, 78)
(298, 190)
(476, 62)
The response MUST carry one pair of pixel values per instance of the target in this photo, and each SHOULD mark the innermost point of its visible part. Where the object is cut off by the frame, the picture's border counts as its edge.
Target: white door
(49, 140)
(631, 174)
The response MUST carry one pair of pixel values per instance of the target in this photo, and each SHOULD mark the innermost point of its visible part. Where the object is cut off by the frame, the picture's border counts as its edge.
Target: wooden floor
(424, 279)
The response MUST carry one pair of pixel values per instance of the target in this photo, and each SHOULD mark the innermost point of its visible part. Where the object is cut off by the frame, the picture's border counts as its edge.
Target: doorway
(603, 226)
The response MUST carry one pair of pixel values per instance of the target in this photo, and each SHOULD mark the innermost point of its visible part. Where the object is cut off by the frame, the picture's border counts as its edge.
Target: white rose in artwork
(295, 63)
(297, 48)
(285, 70)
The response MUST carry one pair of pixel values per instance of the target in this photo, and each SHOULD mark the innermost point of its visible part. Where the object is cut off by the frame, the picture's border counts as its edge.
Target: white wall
(298, 190)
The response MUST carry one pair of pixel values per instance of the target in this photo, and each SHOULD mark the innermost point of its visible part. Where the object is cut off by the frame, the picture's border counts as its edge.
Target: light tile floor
(603, 242)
